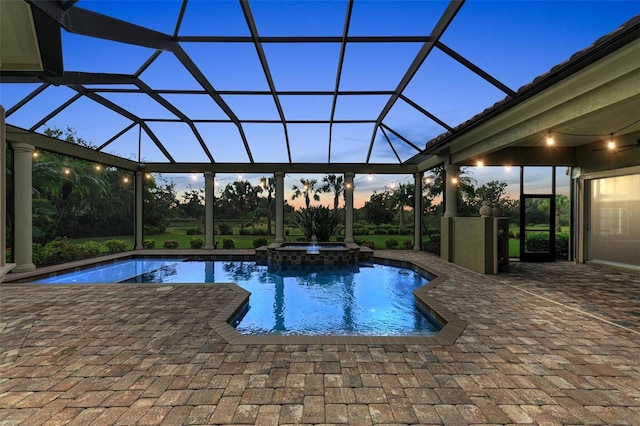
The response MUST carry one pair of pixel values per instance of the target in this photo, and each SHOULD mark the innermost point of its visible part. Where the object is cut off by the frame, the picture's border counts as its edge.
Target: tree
(268, 185)
(466, 188)
(401, 198)
(159, 201)
(378, 209)
(335, 184)
(243, 195)
(193, 205)
(307, 191)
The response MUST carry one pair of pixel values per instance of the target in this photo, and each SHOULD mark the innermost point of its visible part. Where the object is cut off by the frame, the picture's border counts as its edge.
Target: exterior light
(67, 171)
(454, 180)
(507, 168)
(98, 167)
(611, 144)
(550, 140)
(194, 177)
(348, 185)
(147, 175)
(370, 176)
(479, 163)
(125, 179)
(35, 154)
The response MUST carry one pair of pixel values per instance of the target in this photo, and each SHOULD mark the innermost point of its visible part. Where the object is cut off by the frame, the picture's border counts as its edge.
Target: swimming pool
(360, 299)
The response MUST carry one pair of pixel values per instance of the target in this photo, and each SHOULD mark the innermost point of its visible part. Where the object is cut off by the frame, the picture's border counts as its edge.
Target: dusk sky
(513, 41)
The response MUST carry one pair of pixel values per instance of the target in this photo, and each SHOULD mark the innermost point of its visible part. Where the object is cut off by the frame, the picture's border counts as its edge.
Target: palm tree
(241, 194)
(403, 197)
(335, 184)
(307, 191)
(268, 185)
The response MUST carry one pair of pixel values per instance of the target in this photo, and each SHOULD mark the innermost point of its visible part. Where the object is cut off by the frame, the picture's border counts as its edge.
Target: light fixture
(370, 176)
(194, 177)
(147, 175)
(427, 181)
(35, 154)
(125, 179)
(454, 180)
(507, 168)
(611, 144)
(67, 171)
(98, 167)
(479, 163)
(348, 185)
(550, 140)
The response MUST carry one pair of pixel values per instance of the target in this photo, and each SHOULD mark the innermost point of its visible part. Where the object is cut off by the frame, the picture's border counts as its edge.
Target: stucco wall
(469, 242)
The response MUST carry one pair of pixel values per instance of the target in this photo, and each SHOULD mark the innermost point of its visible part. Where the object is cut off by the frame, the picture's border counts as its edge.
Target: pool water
(370, 299)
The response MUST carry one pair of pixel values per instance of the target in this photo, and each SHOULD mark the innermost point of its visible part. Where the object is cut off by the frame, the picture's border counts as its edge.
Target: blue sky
(514, 41)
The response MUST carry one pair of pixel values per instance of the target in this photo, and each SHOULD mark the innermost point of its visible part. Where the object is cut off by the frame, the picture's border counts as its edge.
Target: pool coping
(452, 325)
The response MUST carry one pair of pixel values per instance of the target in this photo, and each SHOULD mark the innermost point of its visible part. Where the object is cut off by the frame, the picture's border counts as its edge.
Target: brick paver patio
(555, 343)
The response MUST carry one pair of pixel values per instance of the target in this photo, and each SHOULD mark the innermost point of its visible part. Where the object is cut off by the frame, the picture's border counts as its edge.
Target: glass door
(537, 228)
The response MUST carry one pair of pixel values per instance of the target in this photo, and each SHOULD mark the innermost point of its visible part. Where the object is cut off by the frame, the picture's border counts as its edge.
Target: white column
(23, 235)
(417, 211)
(209, 202)
(348, 208)
(451, 190)
(279, 176)
(138, 178)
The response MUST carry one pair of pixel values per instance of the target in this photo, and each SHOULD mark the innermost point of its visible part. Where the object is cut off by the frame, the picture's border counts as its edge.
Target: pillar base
(24, 268)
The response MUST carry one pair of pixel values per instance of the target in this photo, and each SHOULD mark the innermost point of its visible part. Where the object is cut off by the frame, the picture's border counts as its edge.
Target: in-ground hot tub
(304, 253)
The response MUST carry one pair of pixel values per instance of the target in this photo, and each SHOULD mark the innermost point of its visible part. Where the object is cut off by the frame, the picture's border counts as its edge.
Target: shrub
(259, 231)
(340, 238)
(244, 231)
(225, 229)
(320, 222)
(391, 243)
(562, 245)
(196, 243)
(61, 250)
(366, 243)
(154, 230)
(259, 242)
(228, 243)
(116, 246)
(149, 244)
(360, 231)
(171, 244)
(540, 242)
(431, 247)
(195, 231)
(407, 244)
(537, 242)
(91, 248)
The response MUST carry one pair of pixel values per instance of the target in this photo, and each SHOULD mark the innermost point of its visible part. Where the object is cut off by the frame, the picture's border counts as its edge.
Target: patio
(553, 343)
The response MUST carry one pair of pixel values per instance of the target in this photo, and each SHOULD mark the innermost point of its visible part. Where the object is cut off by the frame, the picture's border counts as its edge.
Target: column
(279, 176)
(348, 208)
(451, 190)
(23, 235)
(417, 211)
(139, 203)
(209, 202)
